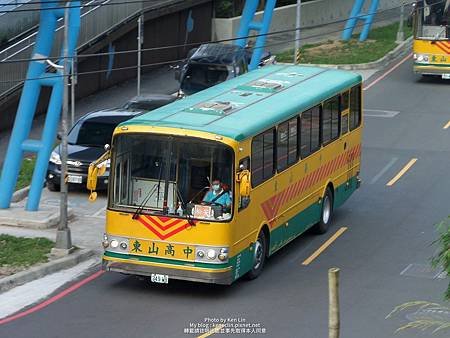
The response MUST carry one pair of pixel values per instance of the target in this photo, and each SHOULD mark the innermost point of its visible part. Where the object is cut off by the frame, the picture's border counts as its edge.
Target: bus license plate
(74, 179)
(446, 76)
(157, 278)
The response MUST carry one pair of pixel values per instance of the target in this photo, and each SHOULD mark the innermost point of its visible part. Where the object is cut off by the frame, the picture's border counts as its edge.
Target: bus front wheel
(326, 214)
(259, 256)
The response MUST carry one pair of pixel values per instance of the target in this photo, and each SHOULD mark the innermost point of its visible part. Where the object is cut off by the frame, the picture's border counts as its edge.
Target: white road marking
(384, 170)
(381, 113)
(97, 213)
(21, 296)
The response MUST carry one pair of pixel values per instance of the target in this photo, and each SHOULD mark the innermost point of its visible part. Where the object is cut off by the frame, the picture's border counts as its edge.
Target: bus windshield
(433, 19)
(167, 175)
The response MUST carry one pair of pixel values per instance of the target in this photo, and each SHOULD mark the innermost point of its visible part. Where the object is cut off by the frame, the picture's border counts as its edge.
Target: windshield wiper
(143, 203)
(150, 194)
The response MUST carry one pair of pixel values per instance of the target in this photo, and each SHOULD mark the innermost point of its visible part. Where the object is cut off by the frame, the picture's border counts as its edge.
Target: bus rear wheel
(327, 213)
(259, 256)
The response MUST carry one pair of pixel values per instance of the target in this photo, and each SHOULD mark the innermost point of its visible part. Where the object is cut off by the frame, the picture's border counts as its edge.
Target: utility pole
(401, 33)
(63, 244)
(297, 33)
(73, 82)
(333, 310)
(140, 39)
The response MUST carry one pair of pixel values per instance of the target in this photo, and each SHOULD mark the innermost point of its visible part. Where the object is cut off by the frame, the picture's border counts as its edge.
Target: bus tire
(259, 256)
(326, 213)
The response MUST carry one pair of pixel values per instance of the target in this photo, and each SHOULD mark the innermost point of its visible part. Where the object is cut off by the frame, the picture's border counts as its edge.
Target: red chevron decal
(159, 225)
(444, 46)
(271, 206)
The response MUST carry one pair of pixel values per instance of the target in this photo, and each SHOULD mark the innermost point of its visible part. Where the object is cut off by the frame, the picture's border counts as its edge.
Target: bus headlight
(211, 254)
(214, 255)
(424, 58)
(114, 243)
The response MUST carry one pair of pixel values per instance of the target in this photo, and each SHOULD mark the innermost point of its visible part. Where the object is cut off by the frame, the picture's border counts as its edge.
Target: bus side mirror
(96, 168)
(243, 177)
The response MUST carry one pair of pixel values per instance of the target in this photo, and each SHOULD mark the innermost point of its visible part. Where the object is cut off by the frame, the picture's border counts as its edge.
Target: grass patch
(23, 252)
(26, 173)
(380, 41)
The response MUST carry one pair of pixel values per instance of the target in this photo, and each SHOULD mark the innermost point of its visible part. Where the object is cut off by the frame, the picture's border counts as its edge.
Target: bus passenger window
(305, 134)
(355, 107)
(287, 144)
(269, 167)
(344, 100)
(330, 120)
(293, 140)
(282, 146)
(344, 124)
(262, 157)
(315, 129)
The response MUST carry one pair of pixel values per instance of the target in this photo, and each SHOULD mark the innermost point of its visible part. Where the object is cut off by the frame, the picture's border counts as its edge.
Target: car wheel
(326, 214)
(259, 256)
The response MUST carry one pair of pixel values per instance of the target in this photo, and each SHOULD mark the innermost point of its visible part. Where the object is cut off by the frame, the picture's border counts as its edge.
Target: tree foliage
(442, 258)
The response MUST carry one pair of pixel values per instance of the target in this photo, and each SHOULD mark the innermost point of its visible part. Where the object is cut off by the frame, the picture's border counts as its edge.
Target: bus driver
(217, 194)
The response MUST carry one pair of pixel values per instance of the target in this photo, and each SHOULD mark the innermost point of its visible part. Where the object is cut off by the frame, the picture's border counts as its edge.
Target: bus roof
(249, 104)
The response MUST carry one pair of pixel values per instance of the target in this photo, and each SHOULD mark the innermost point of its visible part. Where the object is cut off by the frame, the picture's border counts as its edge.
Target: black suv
(88, 136)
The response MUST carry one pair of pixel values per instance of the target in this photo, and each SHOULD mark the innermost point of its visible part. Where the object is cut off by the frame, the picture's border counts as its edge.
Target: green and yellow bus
(285, 143)
(431, 20)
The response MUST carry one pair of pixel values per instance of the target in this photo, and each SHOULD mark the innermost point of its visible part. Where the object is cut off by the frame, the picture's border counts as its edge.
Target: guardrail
(95, 21)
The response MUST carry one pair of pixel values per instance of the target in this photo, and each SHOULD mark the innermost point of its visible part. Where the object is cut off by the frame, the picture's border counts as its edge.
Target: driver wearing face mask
(218, 195)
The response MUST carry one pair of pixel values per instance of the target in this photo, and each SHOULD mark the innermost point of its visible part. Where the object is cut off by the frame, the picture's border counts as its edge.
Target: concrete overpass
(108, 28)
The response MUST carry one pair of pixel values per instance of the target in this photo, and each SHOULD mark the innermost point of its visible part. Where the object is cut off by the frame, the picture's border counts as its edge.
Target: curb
(40, 271)
(21, 194)
(393, 54)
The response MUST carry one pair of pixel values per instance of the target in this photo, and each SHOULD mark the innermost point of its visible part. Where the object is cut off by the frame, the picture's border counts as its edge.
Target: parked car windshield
(94, 133)
(202, 76)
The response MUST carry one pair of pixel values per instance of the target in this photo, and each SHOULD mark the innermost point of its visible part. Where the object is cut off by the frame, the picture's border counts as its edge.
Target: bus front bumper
(223, 276)
(431, 70)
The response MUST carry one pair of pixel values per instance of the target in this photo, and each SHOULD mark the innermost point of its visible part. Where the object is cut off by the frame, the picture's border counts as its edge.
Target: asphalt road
(383, 256)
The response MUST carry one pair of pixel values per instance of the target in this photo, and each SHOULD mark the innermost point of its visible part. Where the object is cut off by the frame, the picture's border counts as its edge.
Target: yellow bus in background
(285, 142)
(431, 48)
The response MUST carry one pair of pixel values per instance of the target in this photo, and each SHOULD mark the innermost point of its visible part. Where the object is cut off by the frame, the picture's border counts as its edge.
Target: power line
(178, 60)
(87, 5)
(80, 56)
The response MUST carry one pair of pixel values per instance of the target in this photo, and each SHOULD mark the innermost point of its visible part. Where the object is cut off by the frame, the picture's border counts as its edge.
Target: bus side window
(345, 101)
(330, 120)
(305, 134)
(310, 131)
(355, 107)
(262, 161)
(344, 123)
(287, 144)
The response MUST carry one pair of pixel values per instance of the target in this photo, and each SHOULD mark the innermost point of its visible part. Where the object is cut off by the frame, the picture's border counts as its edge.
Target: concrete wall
(312, 13)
